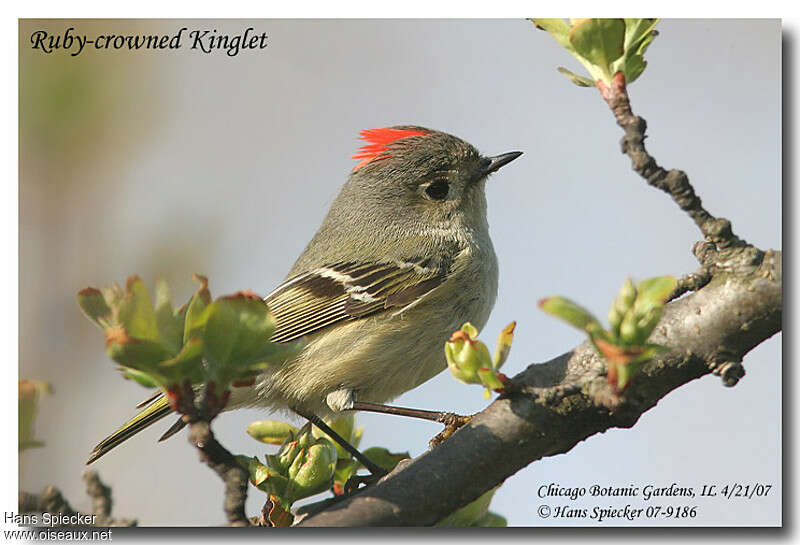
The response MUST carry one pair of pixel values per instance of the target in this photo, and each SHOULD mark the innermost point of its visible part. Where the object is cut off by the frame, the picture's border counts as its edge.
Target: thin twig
(198, 414)
(223, 463)
(52, 501)
(100, 494)
(674, 182)
(691, 282)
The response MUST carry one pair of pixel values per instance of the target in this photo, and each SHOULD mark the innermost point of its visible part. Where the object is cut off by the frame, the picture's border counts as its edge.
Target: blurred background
(174, 162)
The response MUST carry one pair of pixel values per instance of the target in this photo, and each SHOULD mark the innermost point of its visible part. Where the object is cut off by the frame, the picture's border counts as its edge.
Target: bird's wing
(311, 301)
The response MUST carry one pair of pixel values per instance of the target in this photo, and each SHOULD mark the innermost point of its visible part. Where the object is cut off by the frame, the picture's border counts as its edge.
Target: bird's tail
(154, 412)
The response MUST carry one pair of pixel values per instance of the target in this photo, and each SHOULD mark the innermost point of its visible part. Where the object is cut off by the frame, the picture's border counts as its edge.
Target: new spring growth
(272, 432)
(30, 391)
(304, 466)
(475, 513)
(203, 341)
(604, 47)
(634, 314)
(275, 432)
(346, 466)
(469, 361)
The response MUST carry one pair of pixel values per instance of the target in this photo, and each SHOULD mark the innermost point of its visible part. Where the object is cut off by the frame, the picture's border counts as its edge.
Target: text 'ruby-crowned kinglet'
(402, 260)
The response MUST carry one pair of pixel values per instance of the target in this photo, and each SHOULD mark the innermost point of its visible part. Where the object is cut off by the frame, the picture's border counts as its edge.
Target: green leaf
(634, 66)
(465, 355)
(307, 463)
(603, 46)
(470, 513)
(625, 374)
(221, 331)
(93, 304)
(639, 33)
(145, 379)
(557, 28)
(236, 335)
(649, 321)
(203, 341)
(599, 42)
(572, 313)
(384, 458)
(344, 425)
(580, 81)
(267, 479)
(273, 432)
(344, 470)
(356, 437)
(169, 323)
(491, 520)
(186, 365)
(653, 292)
(137, 353)
(113, 294)
(256, 326)
(503, 348)
(621, 305)
(135, 312)
(194, 316)
(490, 379)
(470, 330)
(258, 471)
(650, 352)
(625, 297)
(30, 391)
(286, 456)
(625, 361)
(312, 471)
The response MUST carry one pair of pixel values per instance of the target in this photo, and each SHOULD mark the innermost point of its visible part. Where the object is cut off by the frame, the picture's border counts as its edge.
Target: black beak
(501, 160)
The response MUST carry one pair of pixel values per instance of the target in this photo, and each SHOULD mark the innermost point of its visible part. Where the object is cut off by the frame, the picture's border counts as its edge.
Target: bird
(402, 259)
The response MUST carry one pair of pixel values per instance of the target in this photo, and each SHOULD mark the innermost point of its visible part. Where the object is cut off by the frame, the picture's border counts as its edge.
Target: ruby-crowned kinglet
(402, 259)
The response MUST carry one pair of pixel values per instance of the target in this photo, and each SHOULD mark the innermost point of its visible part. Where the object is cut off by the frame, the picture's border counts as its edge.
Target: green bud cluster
(470, 362)
(203, 341)
(637, 310)
(604, 47)
(280, 433)
(303, 466)
(634, 314)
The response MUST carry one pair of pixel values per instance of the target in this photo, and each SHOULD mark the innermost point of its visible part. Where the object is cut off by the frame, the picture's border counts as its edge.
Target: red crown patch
(379, 140)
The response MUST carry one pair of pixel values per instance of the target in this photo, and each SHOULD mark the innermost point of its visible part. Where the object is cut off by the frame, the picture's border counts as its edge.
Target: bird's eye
(437, 191)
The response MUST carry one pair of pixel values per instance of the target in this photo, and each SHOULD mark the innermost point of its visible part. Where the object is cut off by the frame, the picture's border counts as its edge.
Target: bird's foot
(451, 423)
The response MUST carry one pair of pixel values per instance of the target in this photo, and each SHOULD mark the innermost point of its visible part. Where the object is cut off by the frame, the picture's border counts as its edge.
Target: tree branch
(673, 182)
(219, 459)
(53, 502)
(198, 414)
(707, 329)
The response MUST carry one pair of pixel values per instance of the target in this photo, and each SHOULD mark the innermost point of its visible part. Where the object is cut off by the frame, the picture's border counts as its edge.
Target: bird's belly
(376, 358)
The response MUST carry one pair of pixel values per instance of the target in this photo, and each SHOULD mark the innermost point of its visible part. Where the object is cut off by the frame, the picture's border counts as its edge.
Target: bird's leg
(434, 416)
(376, 470)
(451, 421)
